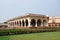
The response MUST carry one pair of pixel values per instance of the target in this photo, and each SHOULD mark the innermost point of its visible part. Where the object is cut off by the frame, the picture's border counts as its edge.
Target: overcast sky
(13, 8)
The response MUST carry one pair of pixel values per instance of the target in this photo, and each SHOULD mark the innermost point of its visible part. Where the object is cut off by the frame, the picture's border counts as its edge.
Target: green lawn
(33, 36)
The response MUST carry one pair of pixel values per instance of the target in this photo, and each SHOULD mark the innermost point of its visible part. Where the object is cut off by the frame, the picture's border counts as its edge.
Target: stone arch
(44, 22)
(38, 22)
(26, 22)
(33, 22)
(59, 25)
(23, 23)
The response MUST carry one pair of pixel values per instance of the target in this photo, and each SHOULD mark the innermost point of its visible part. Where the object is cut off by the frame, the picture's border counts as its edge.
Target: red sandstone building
(3, 25)
(54, 22)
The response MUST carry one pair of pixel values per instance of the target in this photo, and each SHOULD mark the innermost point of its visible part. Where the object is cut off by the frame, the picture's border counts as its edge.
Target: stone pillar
(9, 24)
(36, 23)
(14, 23)
(29, 22)
(41, 23)
(47, 24)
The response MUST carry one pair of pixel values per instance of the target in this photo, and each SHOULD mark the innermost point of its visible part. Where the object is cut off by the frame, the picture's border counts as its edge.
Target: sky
(13, 8)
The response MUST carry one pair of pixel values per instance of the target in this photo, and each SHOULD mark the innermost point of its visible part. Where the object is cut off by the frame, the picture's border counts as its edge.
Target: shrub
(29, 30)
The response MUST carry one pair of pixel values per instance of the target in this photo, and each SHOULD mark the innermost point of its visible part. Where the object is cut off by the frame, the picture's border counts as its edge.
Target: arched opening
(33, 22)
(49, 25)
(59, 25)
(26, 22)
(44, 22)
(20, 23)
(52, 25)
(23, 23)
(55, 25)
(38, 22)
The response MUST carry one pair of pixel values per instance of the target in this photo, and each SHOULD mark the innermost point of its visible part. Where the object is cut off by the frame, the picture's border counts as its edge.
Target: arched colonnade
(29, 23)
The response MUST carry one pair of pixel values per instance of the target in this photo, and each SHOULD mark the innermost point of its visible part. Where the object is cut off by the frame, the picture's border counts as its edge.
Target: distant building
(54, 22)
(3, 26)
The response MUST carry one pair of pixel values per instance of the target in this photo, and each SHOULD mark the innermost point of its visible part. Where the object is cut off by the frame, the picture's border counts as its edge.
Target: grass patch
(33, 36)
